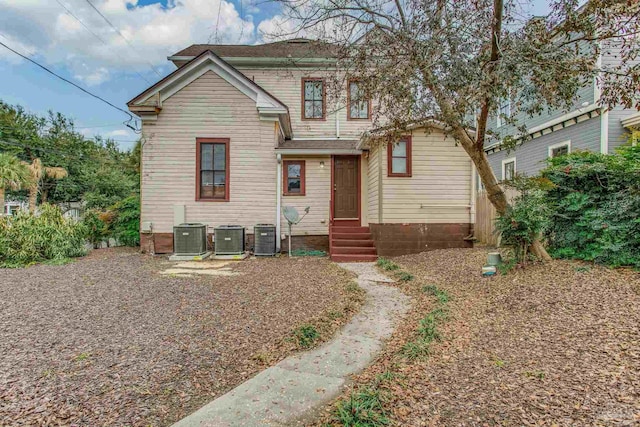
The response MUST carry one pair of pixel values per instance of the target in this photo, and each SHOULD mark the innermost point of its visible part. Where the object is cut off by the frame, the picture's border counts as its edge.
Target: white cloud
(44, 28)
(117, 134)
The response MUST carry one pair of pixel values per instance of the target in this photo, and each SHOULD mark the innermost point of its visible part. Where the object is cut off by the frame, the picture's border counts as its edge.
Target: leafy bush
(125, 224)
(29, 238)
(96, 227)
(595, 202)
(527, 218)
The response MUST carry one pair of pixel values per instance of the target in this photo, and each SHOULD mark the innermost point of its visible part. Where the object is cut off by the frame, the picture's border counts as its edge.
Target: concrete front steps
(352, 244)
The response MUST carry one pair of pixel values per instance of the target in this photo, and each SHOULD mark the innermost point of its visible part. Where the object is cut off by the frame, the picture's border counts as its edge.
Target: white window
(509, 169)
(504, 111)
(560, 149)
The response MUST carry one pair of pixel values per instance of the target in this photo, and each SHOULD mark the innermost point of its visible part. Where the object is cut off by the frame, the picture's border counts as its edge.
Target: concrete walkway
(293, 389)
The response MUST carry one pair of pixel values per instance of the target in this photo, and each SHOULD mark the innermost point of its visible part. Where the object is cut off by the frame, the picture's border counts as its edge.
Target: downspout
(472, 201)
(278, 200)
(337, 125)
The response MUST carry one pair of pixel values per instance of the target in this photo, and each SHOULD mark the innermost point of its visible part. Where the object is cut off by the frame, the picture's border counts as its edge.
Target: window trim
(504, 163)
(349, 81)
(324, 98)
(285, 177)
(558, 145)
(408, 174)
(199, 142)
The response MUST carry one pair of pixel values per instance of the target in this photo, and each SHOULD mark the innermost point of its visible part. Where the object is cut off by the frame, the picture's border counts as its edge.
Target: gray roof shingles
(295, 48)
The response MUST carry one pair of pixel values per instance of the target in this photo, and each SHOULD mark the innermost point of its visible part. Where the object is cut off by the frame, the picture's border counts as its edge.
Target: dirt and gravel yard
(107, 340)
(554, 345)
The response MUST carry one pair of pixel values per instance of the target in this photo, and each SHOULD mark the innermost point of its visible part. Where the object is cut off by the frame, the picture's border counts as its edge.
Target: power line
(67, 81)
(98, 37)
(121, 35)
(217, 23)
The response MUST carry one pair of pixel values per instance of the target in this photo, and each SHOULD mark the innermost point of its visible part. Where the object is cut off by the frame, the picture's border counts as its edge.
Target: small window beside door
(212, 160)
(293, 175)
(509, 169)
(399, 158)
(313, 99)
(560, 149)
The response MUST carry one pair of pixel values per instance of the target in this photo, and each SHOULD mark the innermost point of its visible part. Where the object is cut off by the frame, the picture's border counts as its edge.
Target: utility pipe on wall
(278, 200)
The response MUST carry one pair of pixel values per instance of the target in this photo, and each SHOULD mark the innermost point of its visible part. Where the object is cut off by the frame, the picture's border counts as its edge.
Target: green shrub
(595, 205)
(526, 219)
(30, 238)
(125, 224)
(95, 226)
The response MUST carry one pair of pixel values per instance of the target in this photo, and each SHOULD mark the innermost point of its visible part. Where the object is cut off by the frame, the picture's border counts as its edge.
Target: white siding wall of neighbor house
(317, 193)
(531, 156)
(439, 189)
(209, 107)
(286, 85)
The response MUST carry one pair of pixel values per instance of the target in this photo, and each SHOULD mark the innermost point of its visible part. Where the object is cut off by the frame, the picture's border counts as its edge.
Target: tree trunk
(33, 197)
(494, 192)
(44, 196)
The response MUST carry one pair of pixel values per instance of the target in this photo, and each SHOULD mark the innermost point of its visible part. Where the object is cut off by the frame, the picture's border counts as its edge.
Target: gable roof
(150, 100)
(293, 48)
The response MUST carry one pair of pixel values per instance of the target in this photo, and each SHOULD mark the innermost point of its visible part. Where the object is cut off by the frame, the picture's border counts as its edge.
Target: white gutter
(278, 199)
(631, 121)
(317, 152)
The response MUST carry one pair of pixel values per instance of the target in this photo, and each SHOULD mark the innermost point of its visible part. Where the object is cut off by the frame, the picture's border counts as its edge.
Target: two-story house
(237, 132)
(586, 126)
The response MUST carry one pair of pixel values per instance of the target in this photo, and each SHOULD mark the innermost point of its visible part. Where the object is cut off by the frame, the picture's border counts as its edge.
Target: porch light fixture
(322, 165)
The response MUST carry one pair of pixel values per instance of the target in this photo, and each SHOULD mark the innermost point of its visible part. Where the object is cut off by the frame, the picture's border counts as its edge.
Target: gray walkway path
(298, 385)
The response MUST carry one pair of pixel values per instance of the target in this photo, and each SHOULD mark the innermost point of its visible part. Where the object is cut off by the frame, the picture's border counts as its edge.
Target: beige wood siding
(208, 107)
(439, 189)
(286, 85)
(372, 186)
(317, 194)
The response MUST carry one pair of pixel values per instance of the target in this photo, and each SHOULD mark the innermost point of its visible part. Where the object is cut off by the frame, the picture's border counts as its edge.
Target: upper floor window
(504, 111)
(560, 149)
(358, 104)
(508, 169)
(294, 177)
(212, 160)
(399, 158)
(313, 99)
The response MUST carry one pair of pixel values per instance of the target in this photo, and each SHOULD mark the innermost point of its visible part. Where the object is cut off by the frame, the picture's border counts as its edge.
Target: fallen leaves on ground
(554, 344)
(106, 340)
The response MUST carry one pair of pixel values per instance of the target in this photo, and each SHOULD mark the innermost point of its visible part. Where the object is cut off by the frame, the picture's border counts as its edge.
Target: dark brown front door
(345, 192)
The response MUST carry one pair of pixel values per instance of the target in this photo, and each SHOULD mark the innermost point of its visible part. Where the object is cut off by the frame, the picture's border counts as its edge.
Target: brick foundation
(162, 243)
(402, 239)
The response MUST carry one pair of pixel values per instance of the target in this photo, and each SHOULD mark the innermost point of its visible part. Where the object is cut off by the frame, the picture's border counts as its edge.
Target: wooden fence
(486, 218)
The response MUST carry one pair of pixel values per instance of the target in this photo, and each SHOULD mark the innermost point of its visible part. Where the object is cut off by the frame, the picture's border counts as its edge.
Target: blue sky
(103, 62)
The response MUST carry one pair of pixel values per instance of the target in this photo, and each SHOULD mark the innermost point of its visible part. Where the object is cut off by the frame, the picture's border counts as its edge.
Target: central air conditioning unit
(229, 240)
(264, 239)
(190, 239)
